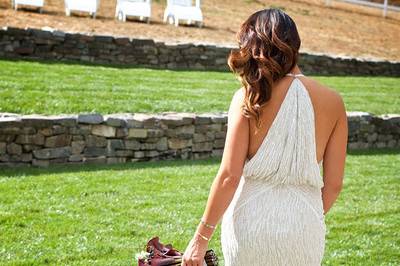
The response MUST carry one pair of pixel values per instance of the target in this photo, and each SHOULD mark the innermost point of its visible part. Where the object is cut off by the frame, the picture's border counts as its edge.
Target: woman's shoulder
(324, 95)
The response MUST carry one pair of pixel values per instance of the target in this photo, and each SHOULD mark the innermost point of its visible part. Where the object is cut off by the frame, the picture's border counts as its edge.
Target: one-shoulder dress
(276, 216)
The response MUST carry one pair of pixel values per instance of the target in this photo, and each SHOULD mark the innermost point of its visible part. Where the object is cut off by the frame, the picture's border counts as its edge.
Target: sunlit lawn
(103, 215)
(53, 88)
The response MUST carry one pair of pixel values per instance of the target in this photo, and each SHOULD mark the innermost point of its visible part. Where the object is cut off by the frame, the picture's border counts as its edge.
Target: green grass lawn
(53, 88)
(103, 215)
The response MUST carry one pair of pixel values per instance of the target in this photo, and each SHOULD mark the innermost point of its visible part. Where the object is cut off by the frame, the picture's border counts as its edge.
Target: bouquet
(157, 254)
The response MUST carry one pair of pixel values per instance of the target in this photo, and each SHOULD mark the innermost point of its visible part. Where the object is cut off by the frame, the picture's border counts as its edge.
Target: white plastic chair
(89, 6)
(177, 10)
(35, 3)
(135, 8)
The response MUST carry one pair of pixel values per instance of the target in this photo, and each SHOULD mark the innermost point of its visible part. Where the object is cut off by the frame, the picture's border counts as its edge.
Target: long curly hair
(269, 46)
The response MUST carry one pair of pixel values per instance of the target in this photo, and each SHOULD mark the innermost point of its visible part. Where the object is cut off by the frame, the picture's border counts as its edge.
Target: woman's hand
(195, 252)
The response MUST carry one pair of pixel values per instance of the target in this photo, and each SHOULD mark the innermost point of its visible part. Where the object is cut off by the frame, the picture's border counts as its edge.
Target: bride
(283, 163)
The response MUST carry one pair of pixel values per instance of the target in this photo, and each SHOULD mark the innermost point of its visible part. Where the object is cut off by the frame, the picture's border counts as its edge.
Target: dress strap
(294, 75)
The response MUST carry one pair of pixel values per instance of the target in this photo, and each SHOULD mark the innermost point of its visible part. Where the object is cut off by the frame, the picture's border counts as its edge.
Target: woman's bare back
(327, 105)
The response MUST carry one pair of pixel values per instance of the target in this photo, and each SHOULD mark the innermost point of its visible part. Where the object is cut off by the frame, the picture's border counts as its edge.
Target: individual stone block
(197, 137)
(134, 123)
(219, 143)
(151, 153)
(80, 130)
(138, 154)
(121, 132)
(116, 120)
(77, 147)
(52, 153)
(57, 129)
(175, 143)
(201, 128)
(215, 127)
(75, 158)
(151, 140)
(132, 145)
(14, 149)
(90, 118)
(220, 135)
(146, 120)
(28, 130)
(148, 146)
(77, 137)
(46, 131)
(113, 144)
(26, 157)
(37, 139)
(58, 141)
(95, 141)
(137, 133)
(186, 131)
(221, 118)
(204, 146)
(176, 119)
(202, 119)
(65, 120)
(104, 131)
(217, 152)
(10, 130)
(162, 144)
(155, 133)
(7, 138)
(30, 147)
(37, 121)
(14, 158)
(54, 130)
(94, 151)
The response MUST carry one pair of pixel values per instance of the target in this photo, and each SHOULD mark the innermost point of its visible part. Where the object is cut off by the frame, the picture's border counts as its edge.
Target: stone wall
(56, 45)
(93, 138)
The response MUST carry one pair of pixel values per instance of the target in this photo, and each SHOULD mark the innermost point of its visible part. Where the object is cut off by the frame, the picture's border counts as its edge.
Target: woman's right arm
(334, 158)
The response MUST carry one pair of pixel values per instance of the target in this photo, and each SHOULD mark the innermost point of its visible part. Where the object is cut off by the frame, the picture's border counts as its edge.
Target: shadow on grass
(67, 168)
(90, 167)
(374, 151)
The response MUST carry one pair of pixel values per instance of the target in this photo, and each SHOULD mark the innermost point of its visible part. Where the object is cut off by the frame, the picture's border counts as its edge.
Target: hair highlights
(268, 49)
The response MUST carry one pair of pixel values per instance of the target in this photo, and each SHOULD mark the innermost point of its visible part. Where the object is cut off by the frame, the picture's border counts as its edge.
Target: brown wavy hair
(269, 46)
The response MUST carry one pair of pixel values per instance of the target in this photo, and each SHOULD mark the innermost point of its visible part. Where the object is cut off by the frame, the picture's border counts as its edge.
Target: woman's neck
(295, 70)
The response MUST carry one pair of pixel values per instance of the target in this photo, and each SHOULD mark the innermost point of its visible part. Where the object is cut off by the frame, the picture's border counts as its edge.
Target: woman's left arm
(225, 183)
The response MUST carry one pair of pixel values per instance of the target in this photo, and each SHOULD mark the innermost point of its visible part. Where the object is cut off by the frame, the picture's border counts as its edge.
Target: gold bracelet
(205, 238)
(206, 224)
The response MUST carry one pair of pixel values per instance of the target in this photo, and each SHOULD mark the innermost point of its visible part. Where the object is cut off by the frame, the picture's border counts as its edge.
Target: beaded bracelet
(207, 225)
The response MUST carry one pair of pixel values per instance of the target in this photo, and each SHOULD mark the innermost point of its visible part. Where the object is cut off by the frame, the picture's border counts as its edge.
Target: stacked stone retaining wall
(119, 138)
(39, 44)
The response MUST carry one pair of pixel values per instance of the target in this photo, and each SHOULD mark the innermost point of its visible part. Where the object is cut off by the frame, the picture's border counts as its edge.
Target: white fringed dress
(276, 215)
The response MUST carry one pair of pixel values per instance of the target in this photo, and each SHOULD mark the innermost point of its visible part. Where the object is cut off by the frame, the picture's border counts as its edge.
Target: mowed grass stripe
(28, 87)
(102, 214)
